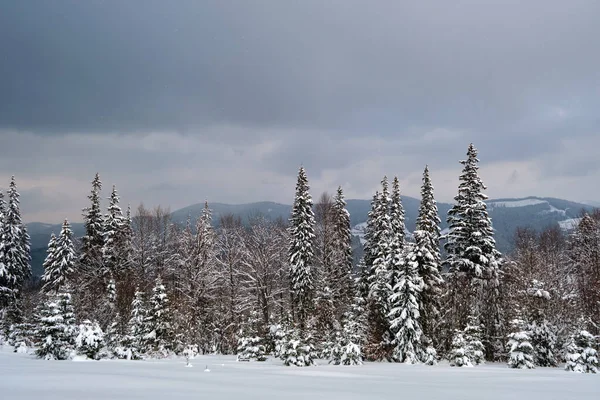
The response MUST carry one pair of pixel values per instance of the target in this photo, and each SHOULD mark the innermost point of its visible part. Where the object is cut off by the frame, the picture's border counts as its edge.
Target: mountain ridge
(507, 215)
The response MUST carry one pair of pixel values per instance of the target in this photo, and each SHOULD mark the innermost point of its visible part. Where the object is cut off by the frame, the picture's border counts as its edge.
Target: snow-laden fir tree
(473, 260)
(379, 236)
(543, 340)
(297, 350)
(474, 348)
(580, 354)
(520, 350)
(427, 237)
(115, 339)
(159, 336)
(428, 219)
(15, 256)
(93, 241)
(396, 266)
(429, 271)
(348, 347)
(458, 354)
(380, 247)
(89, 341)
(342, 256)
(301, 253)
(49, 261)
(5, 279)
(251, 344)
(55, 331)
(470, 244)
(133, 342)
(114, 223)
(404, 314)
(60, 262)
(397, 226)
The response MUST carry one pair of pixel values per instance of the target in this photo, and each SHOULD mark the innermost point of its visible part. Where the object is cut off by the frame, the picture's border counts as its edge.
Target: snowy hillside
(26, 378)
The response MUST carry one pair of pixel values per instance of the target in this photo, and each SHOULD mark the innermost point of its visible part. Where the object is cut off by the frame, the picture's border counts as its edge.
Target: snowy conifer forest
(138, 287)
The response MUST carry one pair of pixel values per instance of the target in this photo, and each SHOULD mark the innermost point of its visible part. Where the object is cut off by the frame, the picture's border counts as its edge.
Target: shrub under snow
(520, 350)
(580, 354)
(90, 340)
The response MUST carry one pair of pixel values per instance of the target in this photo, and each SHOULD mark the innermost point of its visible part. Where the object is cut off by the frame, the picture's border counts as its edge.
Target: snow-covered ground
(22, 377)
(517, 203)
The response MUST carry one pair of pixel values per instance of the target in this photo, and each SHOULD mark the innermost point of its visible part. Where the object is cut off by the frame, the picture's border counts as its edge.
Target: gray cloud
(181, 101)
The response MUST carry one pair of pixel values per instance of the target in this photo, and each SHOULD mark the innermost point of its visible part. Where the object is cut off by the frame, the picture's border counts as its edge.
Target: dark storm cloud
(379, 67)
(233, 95)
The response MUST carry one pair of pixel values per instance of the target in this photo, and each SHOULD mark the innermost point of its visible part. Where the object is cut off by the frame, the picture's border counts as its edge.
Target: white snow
(569, 224)
(25, 378)
(518, 203)
(359, 230)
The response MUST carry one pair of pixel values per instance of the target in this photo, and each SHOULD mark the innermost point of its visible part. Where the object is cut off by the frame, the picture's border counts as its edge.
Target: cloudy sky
(178, 102)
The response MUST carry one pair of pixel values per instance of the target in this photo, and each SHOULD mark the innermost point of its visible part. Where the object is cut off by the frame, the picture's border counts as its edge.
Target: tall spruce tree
(342, 257)
(427, 238)
(397, 225)
(60, 262)
(55, 331)
(301, 253)
(429, 272)
(49, 261)
(405, 305)
(380, 248)
(158, 339)
(380, 257)
(15, 255)
(114, 225)
(397, 235)
(428, 219)
(93, 241)
(473, 260)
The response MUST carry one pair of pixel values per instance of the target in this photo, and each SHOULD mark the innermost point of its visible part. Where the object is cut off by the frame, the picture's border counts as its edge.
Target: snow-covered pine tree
(15, 255)
(543, 340)
(397, 226)
(404, 314)
(380, 247)
(342, 256)
(348, 346)
(60, 263)
(580, 354)
(115, 339)
(301, 254)
(298, 350)
(397, 254)
(49, 261)
(114, 222)
(474, 347)
(458, 354)
(428, 271)
(428, 219)
(133, 342)
(93, 241)
(251, 344)
(5, 279)
(89, 341)
(473, 260)
(520, 350)
(428, 224)
(158, 339)
(55, 330)
(379, 255)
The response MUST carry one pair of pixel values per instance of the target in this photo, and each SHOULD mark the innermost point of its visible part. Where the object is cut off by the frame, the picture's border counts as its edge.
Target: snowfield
(23, 377)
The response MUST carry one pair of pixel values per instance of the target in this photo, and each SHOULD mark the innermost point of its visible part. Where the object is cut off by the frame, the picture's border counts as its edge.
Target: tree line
(138, 285)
